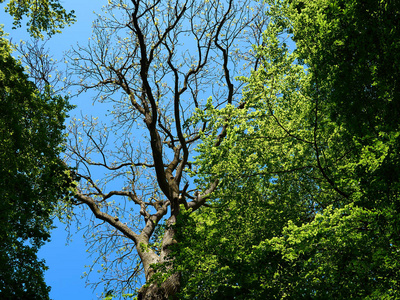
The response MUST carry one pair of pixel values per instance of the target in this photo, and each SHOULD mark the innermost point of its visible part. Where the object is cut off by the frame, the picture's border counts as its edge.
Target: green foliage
(265, 170)
(354, 44)
(43, 16)
(33, 177)
(110, 295)
(307, 201)
(352, 51)
(343, 253)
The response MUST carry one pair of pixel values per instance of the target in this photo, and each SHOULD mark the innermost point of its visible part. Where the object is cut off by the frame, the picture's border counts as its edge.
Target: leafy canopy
(307, 202)
(33, 177)
(43, 16)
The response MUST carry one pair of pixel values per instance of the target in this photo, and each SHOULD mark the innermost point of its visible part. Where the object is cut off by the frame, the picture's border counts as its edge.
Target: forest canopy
(307, 200)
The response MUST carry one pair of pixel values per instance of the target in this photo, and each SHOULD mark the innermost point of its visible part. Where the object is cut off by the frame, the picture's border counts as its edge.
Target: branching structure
(153, 64)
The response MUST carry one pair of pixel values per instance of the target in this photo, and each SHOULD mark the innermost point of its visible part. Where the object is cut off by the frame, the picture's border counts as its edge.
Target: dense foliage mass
(32, 175)
(307, 203)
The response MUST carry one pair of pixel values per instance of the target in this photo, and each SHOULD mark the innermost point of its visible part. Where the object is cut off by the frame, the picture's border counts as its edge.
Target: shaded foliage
(32, 175)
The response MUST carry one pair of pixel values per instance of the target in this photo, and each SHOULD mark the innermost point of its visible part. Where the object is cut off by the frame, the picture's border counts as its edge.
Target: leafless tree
(152, 65)
(42, 67)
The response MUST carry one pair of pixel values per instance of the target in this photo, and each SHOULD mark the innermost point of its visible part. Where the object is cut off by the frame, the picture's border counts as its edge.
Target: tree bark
(164, 291)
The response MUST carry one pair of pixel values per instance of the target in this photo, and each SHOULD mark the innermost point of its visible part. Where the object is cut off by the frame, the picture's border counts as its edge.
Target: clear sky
(66, 262)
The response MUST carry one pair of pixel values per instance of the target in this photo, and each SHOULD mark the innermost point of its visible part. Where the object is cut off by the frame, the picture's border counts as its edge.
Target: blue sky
(66, 262)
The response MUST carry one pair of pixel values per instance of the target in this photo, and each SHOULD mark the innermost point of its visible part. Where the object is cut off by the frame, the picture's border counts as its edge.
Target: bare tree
(152, 65)
(42, 66)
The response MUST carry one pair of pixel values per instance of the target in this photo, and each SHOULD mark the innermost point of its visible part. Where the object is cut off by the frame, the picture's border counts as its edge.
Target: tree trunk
(167, 290)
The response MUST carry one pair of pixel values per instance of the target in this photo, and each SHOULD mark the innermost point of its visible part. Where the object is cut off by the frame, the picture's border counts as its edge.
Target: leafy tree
(152, 64)
(43, 16)
(351, 51)
(265, 165)
(318, 145)
(32, 176)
